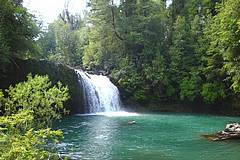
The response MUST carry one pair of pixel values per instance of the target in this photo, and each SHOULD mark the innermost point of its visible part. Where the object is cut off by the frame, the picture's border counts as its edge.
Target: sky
(48, 10)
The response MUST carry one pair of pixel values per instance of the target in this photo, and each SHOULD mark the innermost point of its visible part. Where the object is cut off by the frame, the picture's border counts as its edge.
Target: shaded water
(153, 137)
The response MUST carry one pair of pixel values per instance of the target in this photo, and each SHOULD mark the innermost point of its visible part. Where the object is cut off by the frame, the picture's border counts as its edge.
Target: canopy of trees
(188, 50)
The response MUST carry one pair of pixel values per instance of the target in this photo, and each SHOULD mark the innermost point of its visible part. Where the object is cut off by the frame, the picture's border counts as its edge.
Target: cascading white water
(100, 94)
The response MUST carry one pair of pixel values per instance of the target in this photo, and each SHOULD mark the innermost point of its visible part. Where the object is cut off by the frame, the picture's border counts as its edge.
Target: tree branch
(113, 22)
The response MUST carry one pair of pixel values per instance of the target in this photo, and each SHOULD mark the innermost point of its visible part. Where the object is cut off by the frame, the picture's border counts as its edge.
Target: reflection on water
(154, 137)
(100, 135)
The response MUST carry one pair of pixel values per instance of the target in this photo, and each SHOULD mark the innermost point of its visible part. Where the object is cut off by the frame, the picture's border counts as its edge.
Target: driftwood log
(231, 131)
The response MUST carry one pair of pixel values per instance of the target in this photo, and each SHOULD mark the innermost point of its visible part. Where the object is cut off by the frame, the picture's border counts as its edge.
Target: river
(153, 137)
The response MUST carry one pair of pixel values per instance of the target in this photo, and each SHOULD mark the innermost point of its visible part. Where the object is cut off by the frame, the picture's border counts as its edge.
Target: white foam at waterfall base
(118, 114)
(101, 96)
(111, 114)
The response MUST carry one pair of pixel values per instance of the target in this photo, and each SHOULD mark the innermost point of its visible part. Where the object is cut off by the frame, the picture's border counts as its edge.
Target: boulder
(232, 127)
(231, 131)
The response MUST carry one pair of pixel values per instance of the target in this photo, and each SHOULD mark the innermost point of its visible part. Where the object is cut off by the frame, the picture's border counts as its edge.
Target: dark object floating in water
(132, 122)
(231, 131)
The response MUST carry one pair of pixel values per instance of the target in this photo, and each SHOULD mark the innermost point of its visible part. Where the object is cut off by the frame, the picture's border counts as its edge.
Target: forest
(188, 50)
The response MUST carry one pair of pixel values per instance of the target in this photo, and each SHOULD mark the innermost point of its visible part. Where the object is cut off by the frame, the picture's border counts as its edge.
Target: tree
(182, 53)
(18, 30)
(104, 46)
(47, 41)
(221, 67)
(224, 36)
(65, 39)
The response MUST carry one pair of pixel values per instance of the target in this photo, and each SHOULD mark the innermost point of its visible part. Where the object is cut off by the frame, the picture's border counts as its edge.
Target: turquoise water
(153, 137)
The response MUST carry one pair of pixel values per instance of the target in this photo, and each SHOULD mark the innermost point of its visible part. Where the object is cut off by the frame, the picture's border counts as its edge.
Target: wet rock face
(15, 73)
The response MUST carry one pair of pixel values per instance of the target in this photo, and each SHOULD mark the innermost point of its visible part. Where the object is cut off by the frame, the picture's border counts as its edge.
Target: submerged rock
(231, 131)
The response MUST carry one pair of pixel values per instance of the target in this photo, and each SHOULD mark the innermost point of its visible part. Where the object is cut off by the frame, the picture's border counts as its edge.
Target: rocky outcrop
(17, 72)
(231, 131)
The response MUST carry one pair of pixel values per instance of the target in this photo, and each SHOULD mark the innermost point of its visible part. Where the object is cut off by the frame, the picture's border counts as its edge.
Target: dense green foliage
(37, 95)
(186, 51)
(28, 111)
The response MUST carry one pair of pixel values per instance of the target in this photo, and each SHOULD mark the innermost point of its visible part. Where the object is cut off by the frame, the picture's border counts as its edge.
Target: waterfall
(100, 94)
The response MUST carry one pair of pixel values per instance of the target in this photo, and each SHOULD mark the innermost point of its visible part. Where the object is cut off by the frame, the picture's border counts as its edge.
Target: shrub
(38, 95)
(28, 110)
